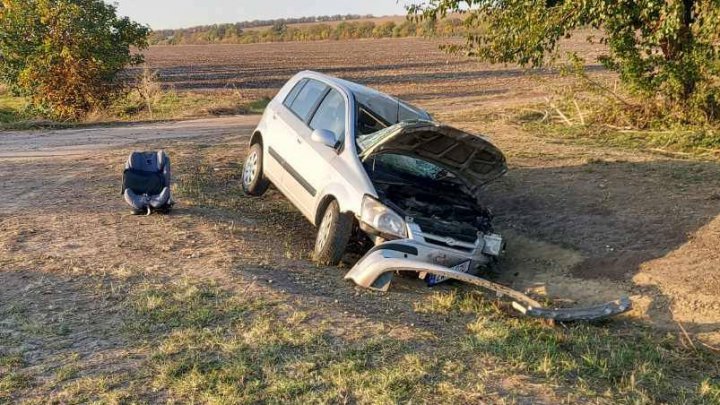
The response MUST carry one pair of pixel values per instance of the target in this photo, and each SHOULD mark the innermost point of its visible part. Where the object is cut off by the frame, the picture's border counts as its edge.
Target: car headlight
(382, 218)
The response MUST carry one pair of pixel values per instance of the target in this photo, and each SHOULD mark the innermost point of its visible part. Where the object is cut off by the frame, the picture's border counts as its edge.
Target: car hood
(470, 157)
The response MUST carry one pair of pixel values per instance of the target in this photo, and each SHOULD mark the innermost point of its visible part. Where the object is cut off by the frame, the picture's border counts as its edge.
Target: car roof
(354, 89)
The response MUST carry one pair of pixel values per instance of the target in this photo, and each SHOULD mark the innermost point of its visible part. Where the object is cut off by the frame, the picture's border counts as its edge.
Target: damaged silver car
(349, 157)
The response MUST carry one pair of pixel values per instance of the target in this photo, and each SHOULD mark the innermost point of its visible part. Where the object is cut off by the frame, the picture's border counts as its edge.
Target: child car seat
(146, 182)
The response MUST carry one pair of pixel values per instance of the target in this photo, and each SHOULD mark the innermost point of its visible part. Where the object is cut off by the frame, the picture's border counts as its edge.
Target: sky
(161, 14)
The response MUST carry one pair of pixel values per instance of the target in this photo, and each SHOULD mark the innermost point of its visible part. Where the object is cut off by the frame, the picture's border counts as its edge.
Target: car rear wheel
(333, 236)
(253, 181)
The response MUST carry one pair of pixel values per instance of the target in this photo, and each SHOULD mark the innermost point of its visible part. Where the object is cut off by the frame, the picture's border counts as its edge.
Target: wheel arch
(322, 206)
(256, 138)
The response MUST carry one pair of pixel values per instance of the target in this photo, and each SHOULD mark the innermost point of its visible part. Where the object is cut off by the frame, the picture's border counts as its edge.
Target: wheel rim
(324, 232)
(251, 168)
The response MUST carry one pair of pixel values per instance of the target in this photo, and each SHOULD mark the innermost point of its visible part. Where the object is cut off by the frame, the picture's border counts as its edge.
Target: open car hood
(470, 157)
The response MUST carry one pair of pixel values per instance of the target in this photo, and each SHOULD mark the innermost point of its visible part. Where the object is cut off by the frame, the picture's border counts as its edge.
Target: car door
(277, 135)
(292, 122)
(313, 160)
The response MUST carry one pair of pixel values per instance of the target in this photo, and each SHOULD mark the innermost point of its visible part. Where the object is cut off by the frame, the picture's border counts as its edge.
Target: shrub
(66, 56)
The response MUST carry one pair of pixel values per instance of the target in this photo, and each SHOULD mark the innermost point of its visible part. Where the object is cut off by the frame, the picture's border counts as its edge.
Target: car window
(307, 99)
(331, 115)
(294, 93)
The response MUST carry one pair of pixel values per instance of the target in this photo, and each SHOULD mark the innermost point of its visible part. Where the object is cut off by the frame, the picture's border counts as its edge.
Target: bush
(66, 56)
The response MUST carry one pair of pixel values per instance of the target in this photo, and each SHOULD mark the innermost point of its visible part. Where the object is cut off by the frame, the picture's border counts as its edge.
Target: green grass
(12, 109)
(213, 345)
(635, 365)
(220, 347)
(168, 105)
(174, 105)
(12, 378)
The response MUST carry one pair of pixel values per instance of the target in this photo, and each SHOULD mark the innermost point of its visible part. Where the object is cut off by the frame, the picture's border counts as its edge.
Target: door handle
(299, 140)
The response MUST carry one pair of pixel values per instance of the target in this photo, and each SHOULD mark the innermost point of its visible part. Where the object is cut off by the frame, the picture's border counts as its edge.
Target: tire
(333, 236)
(254, 182)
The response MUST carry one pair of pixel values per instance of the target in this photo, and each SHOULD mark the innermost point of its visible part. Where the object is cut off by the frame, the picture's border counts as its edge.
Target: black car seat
(146, 182)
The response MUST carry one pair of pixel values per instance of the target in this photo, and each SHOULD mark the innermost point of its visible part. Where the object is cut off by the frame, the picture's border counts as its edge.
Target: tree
(66, 56)
(667, 51)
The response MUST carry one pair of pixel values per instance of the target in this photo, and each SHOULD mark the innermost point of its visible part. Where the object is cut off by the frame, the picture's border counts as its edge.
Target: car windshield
(377, 111)
(408, 165)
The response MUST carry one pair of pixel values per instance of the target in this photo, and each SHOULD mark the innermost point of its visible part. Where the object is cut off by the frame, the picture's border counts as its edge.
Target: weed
(12, 379)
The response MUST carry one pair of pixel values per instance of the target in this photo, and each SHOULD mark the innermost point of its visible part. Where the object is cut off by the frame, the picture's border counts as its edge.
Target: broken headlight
(382, 218)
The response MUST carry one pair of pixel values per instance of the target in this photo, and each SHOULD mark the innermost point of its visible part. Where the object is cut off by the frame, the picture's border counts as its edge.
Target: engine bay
(433, 197)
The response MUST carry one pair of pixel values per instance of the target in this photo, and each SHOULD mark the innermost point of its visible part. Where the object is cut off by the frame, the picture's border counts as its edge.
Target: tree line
(283, 31)
(240, 26)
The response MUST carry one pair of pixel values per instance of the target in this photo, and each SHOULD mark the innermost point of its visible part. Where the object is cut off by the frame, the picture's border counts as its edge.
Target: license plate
(433, 279)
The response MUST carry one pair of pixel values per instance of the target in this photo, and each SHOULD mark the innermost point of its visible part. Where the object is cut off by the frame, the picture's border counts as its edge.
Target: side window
(307, 99)
(294, 93)
(331, 115)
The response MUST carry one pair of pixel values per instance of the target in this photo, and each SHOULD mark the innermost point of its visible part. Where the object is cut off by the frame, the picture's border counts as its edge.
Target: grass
(210, 344)
(168, 105)
(12, 109)
(568, 122)
(637, 366)
(11, 376)
(177, 105)
(220, 347)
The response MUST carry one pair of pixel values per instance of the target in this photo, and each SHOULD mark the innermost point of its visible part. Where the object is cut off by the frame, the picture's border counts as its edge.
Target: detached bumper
(376, 269)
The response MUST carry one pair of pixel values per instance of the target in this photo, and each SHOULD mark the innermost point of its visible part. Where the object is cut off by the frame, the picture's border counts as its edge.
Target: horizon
(193, 13)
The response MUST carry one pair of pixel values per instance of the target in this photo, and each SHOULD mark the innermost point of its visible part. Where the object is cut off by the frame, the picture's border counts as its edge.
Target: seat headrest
(147, 161)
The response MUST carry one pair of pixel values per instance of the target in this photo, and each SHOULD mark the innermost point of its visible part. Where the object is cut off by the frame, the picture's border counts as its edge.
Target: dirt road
(81, 142)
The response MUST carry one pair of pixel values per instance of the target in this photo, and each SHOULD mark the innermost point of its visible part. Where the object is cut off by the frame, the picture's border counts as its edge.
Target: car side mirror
(325, 137)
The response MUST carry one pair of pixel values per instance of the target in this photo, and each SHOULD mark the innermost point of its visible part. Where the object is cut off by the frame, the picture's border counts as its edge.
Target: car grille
(444, 242)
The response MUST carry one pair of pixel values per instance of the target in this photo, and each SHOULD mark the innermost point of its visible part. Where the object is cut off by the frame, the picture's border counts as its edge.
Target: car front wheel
(333, 236)
(253, 181)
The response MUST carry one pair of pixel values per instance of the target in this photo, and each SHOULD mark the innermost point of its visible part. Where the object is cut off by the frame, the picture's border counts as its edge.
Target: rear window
(307, 98)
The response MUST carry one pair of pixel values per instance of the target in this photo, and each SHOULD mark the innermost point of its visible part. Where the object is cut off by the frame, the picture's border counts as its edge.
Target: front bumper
(376, 269)
(446, 251)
